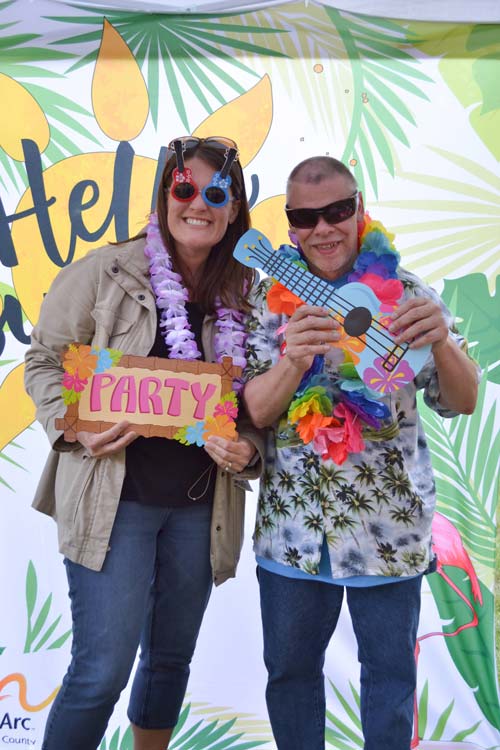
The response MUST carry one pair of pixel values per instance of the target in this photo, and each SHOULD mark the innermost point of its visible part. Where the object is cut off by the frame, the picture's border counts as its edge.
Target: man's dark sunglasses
(333, 213)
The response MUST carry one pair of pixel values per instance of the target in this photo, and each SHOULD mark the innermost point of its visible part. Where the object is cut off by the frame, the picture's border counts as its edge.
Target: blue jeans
(153, 590)
(299, 618)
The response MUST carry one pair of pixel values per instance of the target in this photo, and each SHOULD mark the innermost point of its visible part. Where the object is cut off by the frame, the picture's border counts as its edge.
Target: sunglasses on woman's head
(184, 189)
(333, 213)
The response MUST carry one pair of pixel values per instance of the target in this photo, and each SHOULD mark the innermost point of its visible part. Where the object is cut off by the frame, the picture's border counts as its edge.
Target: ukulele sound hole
(357, 321)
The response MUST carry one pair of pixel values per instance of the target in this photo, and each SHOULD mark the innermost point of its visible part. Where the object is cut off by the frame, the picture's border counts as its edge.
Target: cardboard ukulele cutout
(354, 305)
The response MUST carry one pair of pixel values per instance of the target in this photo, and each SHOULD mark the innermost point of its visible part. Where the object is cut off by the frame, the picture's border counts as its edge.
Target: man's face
(330, 249)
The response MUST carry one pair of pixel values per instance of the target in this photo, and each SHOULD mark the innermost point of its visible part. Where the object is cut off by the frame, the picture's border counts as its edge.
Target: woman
(146, 525)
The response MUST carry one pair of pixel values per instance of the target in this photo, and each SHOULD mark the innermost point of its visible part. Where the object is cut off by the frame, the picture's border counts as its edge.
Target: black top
(160, 471)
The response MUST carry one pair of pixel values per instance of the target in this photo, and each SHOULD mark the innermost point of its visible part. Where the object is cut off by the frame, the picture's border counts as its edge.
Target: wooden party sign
(171, 398)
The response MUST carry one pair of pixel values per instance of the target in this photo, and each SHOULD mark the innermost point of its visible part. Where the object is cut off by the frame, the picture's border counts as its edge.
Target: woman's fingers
(230, 455)
(108, 442)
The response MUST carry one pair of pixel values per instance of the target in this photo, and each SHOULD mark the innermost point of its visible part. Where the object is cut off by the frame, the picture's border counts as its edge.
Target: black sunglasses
(184, 189)
(333, 213)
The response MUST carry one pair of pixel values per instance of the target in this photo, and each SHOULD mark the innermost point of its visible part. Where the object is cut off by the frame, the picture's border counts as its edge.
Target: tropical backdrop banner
(89, 99)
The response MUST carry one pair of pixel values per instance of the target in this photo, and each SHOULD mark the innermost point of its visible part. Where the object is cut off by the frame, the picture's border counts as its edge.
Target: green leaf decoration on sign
(343, 725)
(379, 51)
(230, 396)
(115, 355)
(70, 396)
(180, 435)
(468, 297)
(472, 648)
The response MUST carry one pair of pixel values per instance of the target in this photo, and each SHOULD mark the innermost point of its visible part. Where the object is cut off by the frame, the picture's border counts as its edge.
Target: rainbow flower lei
(336, 415)
(171, 297)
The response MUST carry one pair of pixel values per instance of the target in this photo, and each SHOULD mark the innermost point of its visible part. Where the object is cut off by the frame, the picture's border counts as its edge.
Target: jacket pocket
(109, 327)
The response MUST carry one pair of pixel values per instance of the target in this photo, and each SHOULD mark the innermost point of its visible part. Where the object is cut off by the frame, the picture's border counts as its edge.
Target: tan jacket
(106, 299)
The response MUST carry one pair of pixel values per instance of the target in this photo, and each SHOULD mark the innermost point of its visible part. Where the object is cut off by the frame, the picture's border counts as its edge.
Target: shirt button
(114, 269)
(141, 297)
(218, 528)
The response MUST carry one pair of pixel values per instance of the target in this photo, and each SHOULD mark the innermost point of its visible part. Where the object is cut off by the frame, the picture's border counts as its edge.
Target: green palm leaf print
(460, 228)
(355, 73)
(465, 461)
(203, 734)
(21, 60)
(195, 52)
(472, 649)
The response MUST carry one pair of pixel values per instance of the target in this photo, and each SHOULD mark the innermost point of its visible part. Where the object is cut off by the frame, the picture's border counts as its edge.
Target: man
(347, 498)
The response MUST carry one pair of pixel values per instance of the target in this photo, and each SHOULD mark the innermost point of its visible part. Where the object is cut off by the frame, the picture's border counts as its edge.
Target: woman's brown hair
(222, 276)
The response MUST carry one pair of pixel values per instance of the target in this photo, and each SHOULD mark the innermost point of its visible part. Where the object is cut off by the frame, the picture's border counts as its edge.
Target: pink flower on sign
(384, 381)
(73, 382)
(227, 408)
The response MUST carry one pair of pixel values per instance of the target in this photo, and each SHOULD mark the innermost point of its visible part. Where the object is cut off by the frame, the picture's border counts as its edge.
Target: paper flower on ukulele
(349, 344)
(383, 381)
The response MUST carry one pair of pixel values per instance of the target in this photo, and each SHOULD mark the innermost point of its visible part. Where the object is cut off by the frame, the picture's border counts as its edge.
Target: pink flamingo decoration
(448, 546)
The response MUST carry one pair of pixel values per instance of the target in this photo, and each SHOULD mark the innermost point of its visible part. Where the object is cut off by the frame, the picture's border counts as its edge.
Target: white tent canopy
(456, 11)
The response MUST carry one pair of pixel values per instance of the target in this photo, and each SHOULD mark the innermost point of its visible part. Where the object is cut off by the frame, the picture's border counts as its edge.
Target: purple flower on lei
(171, 297)
(384, 266)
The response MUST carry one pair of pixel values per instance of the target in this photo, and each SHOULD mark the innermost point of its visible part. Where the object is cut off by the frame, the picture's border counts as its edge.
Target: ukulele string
(390, 352)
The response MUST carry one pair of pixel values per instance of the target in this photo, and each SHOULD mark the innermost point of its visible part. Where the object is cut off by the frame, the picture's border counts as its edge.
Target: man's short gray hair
(318, 168)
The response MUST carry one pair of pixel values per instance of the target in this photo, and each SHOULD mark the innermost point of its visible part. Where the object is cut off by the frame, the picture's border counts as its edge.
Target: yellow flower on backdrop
(121, 105)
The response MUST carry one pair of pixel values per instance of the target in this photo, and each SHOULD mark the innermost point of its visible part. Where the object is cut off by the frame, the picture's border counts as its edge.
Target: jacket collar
(130, 258)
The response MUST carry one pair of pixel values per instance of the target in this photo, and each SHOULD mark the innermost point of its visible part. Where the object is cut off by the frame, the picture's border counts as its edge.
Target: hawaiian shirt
(375, 510)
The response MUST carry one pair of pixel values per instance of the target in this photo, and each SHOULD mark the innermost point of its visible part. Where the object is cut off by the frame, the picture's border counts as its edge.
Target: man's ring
(228, 466)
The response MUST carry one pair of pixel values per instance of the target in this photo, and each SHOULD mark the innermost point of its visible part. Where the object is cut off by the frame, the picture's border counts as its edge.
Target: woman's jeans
(153, 589)
(299, 618)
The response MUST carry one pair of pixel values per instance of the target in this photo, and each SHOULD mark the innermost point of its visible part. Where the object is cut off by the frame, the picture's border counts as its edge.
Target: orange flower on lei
(311, 423)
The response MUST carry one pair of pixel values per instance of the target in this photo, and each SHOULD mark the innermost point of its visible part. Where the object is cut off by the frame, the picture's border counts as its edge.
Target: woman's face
(195, 226)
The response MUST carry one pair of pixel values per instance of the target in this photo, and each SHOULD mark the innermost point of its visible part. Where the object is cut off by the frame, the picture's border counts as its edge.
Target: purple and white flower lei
(171, 297)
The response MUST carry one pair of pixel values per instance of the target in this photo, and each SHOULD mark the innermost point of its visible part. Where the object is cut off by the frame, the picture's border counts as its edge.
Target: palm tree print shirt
(375, 510)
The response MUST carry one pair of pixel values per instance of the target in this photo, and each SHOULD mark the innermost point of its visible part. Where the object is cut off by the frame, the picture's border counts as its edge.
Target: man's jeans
(153, 588)
(299, 618)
